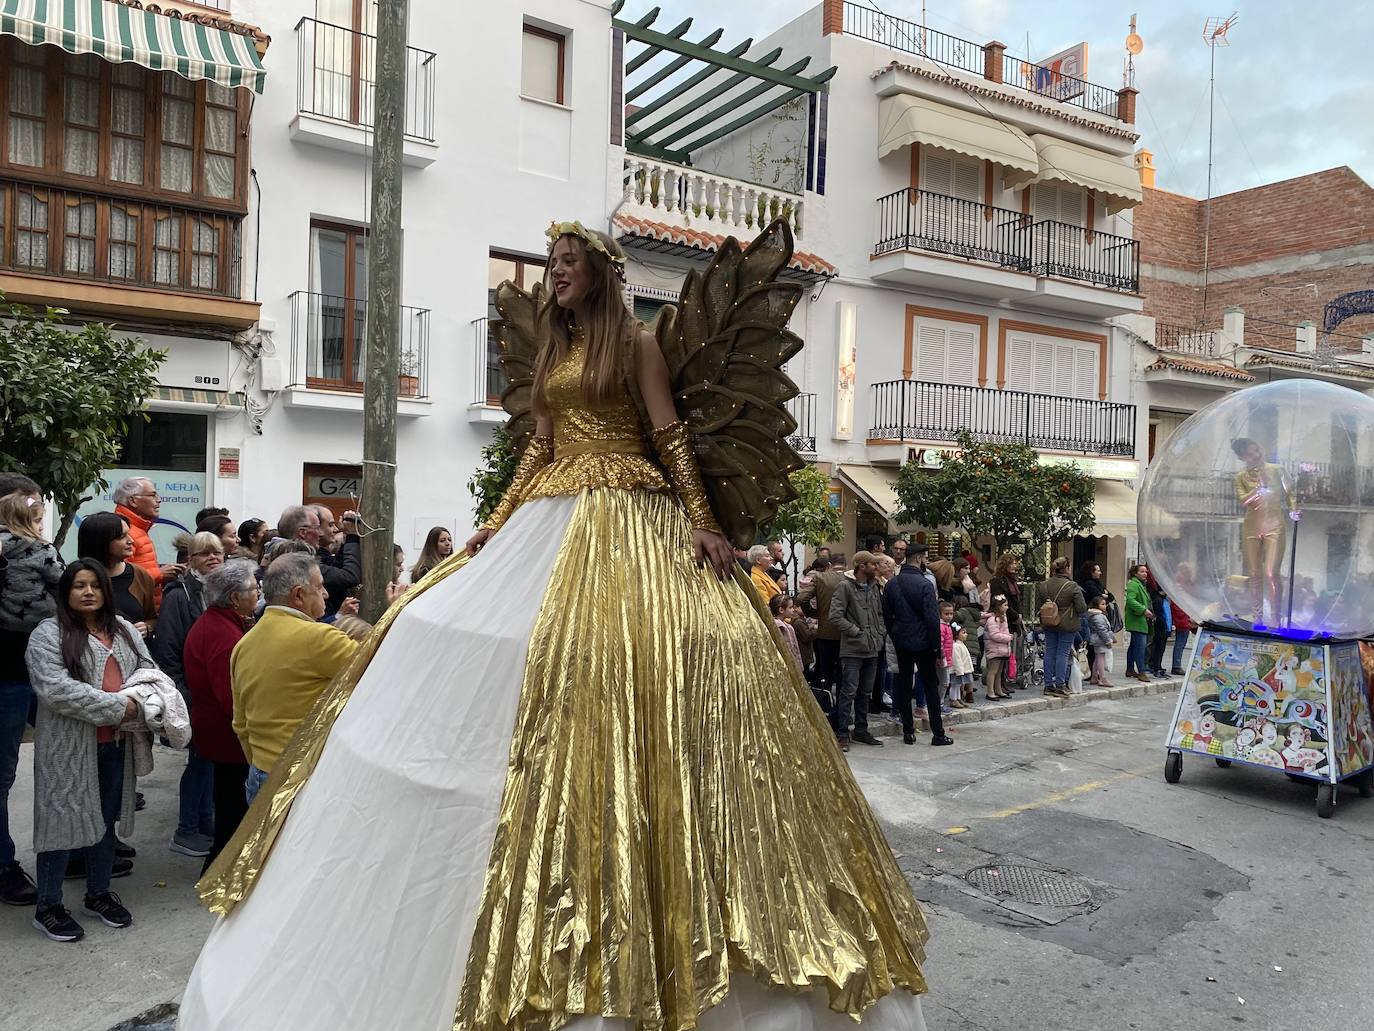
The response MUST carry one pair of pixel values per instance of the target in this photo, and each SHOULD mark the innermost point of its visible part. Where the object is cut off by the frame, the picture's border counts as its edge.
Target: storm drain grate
(1028, 884)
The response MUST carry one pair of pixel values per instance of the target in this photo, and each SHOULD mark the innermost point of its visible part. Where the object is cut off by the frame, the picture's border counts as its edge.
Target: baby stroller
(1034, 661)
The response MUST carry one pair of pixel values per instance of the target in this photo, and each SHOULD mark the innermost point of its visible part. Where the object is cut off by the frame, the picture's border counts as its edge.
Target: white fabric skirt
(362, 917)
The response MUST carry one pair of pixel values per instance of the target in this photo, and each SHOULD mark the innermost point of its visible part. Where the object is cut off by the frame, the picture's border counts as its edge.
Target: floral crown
(557, 230)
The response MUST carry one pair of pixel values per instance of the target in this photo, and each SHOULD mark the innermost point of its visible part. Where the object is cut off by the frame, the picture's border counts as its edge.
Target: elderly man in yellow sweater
(284, 663)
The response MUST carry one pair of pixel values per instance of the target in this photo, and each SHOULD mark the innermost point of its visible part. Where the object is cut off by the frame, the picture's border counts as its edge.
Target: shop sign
(930, 457)
(334, 487)
(183, 495)
(1097, 468)
(834, 499)
(228, 463)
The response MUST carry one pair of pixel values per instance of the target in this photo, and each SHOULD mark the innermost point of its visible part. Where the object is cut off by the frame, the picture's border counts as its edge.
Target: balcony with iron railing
(336, 87)
(1198, 343)
(919, 220)
(488, 378)
(935, 413)
(802, 408)
(989, 62)
(328, 346)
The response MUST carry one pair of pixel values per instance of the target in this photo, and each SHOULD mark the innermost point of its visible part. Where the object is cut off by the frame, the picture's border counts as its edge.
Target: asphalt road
(1159, 907)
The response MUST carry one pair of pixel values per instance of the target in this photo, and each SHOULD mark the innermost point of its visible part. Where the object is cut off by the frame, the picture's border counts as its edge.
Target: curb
(1034, 702)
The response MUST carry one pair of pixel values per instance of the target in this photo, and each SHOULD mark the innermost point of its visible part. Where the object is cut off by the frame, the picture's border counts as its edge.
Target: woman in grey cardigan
(78, 661)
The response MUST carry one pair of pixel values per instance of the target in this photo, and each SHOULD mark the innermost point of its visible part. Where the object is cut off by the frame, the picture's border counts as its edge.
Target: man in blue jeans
(1067, 597)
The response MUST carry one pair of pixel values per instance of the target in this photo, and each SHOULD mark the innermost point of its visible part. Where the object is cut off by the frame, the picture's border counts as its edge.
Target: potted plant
(409, 382)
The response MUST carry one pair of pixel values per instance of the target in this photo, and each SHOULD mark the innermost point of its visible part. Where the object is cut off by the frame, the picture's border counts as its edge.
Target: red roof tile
(701, 240)
(1181, 363)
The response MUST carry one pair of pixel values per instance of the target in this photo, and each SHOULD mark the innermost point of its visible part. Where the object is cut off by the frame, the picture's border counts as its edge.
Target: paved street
(1180, 901)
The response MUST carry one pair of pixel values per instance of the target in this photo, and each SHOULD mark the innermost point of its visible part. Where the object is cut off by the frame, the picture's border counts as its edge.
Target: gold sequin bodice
(601, 446)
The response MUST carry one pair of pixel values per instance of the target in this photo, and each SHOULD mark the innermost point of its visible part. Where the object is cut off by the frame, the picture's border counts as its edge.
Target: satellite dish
(1134, 44)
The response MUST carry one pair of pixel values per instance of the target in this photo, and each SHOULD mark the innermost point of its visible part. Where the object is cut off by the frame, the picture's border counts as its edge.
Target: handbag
(1114, 619)
(1049, 612)
(1168, 611)
(1075, 675)
(1011, 665)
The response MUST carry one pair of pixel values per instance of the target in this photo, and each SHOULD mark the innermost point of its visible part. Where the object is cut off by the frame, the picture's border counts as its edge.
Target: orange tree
(1001, 490)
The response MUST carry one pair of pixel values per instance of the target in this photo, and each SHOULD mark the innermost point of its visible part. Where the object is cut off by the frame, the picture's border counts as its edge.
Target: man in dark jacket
(913, 622)
(856, 612)
(819, 591)
(342, 570)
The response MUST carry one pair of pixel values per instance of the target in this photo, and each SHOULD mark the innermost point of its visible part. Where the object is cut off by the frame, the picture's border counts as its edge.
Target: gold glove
(674, 446)
(538, 453)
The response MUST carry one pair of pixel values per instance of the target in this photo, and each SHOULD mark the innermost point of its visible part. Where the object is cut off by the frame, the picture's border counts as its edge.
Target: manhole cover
(1029, 884)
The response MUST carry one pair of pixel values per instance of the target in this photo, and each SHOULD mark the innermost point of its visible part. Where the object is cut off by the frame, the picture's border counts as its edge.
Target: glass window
(28, 112)
(541, 67)
(31, 229)
(205, 251)
(78, 245)
(167, 250)
(124, 224)
(81, 115)
(178, 132)
(126, 123)
(221, 139)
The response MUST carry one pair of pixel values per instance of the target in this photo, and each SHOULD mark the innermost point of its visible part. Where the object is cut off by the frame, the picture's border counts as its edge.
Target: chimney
(993, 53)
(1145, 165)
(832, 17)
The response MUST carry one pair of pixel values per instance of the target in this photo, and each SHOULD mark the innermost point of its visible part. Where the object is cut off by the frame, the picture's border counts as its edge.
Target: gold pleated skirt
(675, 807)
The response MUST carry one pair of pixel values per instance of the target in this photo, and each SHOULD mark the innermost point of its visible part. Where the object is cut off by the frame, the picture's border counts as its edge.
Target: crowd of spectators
(221, 651)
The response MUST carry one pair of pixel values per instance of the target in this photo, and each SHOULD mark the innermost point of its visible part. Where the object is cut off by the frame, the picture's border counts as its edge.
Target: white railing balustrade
(663, 191)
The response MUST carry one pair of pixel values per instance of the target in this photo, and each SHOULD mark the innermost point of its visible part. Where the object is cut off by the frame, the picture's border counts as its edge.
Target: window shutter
(1064, 355)
(1042, 379)
(931, 363)
(1020, 363)
(1085, 371)
(962, 356)
(937, 171)
(1058, 202)
(967, 178)
(646, 309)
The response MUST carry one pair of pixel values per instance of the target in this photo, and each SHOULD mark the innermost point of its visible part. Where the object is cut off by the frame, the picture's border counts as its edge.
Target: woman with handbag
(1061, 609)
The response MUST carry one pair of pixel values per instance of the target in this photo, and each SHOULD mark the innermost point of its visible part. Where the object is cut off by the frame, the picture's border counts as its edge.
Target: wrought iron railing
(1070, 251)
(906, 36)
(1055, 85)
(803, 409)
(912, 38)
(488, 378)
(921, 220)
(911, 410)
(72, 234)
(328, 336)
(336, 78)
(1201, 343)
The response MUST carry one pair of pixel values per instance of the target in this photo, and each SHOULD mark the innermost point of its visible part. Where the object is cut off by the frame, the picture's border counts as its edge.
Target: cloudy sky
(1293, 89)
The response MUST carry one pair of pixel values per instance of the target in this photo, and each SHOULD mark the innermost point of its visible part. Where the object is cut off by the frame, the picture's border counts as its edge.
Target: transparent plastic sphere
(1258, 513)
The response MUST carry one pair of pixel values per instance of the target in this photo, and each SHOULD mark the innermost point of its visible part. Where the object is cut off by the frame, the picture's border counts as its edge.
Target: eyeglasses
(154, 495)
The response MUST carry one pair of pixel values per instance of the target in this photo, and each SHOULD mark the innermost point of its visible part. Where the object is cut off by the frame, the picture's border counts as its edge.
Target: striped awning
(123, 34)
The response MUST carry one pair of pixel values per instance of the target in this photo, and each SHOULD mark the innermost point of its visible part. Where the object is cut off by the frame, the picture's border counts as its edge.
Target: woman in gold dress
(575, 782)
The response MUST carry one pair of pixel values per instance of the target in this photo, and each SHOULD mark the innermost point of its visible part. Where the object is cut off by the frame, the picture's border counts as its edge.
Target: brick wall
(1309, 215)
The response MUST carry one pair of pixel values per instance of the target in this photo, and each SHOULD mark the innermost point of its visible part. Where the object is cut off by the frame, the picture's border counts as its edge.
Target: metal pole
(384, 314)
(1207, 210)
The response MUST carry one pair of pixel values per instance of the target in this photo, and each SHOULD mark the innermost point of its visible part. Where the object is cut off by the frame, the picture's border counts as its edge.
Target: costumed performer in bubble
(1263, 492)
(576, 783)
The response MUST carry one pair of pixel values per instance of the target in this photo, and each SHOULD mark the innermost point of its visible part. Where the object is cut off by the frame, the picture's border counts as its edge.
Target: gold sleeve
(674, 446)
(538, 453)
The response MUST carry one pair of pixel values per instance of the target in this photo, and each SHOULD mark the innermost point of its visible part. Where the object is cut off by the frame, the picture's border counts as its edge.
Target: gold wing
(518, 335)
(725, 346)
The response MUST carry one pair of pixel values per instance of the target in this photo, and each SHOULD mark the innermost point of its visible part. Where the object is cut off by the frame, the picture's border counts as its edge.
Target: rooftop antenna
(1134, 45)
(1214, 34)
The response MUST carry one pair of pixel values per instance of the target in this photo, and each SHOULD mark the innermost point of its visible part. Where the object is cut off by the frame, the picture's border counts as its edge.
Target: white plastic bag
(1075, 675)
(1107, 662)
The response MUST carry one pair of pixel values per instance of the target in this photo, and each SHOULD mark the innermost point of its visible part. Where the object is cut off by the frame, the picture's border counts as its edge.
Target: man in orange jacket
(137, 500)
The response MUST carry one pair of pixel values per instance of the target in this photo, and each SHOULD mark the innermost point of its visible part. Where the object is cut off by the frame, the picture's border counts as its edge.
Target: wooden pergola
(723, 92)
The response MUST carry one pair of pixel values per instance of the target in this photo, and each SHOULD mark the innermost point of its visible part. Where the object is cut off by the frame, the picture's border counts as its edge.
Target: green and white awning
(121, 34)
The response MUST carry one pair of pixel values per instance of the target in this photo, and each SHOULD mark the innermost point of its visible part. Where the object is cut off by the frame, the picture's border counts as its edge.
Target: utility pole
(384, 309)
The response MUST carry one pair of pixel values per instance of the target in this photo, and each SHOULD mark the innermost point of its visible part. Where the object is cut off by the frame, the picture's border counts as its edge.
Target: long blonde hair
(611, 324)
(23, 514)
